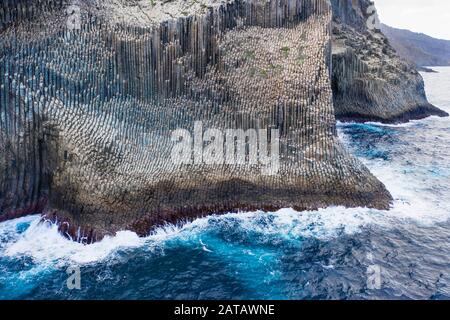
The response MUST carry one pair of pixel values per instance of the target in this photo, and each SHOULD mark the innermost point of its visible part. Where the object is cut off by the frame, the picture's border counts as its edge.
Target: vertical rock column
(87, 115)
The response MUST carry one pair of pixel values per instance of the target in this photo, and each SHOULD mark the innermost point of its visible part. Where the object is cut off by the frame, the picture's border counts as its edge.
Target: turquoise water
(282, 255)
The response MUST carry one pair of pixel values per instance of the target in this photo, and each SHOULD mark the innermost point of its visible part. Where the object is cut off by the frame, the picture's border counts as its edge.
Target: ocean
(334, 253)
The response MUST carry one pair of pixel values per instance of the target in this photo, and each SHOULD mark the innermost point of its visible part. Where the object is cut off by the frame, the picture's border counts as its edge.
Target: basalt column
(370, 81)
(89, 113)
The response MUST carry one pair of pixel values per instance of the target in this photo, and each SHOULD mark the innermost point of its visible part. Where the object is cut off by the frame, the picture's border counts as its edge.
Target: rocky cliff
(91, 96)
(370, 81)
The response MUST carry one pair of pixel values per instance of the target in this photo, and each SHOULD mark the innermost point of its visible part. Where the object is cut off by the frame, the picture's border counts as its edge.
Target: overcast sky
(431, 17)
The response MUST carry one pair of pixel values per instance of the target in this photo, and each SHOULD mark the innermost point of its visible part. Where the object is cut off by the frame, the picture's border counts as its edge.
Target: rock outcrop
(89, 105)
(370, 81)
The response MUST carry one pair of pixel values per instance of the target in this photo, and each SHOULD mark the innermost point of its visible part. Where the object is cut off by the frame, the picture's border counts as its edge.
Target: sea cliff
(370, 81)
(92, 91)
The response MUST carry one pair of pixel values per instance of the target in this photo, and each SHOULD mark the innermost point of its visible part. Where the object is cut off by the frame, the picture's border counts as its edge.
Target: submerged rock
(370, 81)
(90, 103)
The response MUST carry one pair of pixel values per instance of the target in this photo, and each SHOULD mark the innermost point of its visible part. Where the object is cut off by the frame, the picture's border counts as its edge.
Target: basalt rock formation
(370, 81)
(90, 97)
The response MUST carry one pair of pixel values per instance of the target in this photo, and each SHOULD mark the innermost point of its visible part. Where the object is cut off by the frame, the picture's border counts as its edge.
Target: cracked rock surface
(87, 115)
(370, 81)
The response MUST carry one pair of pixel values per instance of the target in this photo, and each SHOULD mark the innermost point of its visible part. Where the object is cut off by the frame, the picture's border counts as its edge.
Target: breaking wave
(279, 255)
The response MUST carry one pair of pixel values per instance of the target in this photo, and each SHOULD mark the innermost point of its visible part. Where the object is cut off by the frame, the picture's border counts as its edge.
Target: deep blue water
(330, 254)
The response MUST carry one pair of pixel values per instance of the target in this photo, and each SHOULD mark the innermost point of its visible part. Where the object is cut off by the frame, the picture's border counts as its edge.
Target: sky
(431, 17)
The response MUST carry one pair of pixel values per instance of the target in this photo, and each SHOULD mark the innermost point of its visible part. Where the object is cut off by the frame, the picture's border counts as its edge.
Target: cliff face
(88, 114)
(370, 81)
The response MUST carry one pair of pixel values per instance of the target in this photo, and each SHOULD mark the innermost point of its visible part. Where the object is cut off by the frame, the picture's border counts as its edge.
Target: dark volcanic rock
(88, 113)
(370, 81)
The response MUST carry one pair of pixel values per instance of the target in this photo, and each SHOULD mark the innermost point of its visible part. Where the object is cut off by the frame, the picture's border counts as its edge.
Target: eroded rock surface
(87, 115)
(370, 81)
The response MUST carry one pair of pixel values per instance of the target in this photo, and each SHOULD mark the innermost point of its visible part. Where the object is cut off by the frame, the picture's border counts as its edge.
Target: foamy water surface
(279, 255)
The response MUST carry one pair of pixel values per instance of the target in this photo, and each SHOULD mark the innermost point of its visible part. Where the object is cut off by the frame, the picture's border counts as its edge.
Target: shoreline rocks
(370, 81)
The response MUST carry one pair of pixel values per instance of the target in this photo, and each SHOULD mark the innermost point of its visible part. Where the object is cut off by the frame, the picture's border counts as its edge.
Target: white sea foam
(44, 243)
(379, 124)
(414, 203)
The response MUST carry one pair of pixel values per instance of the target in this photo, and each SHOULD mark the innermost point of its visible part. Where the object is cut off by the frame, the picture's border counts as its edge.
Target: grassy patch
(285, 51)
(250, 54)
